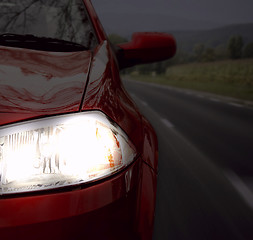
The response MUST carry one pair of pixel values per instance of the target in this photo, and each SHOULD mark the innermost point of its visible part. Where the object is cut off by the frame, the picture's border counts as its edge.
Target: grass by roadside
(232, 78)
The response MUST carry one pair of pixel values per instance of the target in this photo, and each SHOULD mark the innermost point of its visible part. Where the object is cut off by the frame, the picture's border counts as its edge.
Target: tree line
(233, 49)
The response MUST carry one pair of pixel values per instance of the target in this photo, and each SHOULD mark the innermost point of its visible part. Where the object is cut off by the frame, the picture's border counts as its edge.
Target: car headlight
(61, 151)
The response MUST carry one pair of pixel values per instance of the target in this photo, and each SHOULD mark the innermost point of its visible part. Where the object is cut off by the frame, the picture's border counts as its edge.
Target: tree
(235, 46)
(248, 50)
(145, 68)
(209, 55)
(116, 39)
(160, 67)
(221, 52)
(199, 50)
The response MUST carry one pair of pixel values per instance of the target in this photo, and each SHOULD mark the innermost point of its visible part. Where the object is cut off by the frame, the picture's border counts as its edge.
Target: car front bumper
(108, 209)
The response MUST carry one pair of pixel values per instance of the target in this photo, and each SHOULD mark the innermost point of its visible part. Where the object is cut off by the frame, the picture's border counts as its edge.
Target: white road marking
(143, 103)
(222, 99)
(240, 186)
(235, 104)
(132, 95)
(187, 92)
(214, 99)
(167, 123)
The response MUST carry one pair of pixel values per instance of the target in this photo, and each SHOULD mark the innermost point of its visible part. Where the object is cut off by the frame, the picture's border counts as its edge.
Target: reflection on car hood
(35, 83)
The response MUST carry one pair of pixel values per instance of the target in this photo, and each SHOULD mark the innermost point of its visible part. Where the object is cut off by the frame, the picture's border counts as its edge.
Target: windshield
(63, 20)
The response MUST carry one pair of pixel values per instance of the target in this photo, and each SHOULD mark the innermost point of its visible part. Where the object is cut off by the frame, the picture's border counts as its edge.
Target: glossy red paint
(146, 47)
(147, 202)
(105, 92)
(150, 145)
(41, 215)
(46, 83)
(35, 83)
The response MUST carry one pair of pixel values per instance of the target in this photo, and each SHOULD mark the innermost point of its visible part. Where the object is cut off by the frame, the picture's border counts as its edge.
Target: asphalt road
(205, 163)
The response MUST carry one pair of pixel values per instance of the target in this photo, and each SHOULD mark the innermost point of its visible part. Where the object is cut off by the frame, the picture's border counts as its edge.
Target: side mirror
(145, 47)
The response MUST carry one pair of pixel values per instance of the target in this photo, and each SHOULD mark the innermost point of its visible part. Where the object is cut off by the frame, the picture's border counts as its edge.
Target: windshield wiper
(39, 43)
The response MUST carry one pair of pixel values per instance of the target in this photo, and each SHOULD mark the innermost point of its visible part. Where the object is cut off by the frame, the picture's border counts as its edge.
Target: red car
(77, 159)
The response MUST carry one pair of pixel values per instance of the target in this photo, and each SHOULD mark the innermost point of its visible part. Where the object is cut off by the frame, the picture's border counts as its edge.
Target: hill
(125, 24)
(186, 40)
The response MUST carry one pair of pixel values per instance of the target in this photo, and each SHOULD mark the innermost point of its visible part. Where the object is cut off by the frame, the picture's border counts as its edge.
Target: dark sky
(220, 11)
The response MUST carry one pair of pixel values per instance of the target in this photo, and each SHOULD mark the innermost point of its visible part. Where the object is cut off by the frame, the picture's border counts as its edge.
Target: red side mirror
(146, 48)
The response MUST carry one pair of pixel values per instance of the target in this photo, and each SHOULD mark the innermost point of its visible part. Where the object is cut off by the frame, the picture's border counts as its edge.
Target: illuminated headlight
(61, 151)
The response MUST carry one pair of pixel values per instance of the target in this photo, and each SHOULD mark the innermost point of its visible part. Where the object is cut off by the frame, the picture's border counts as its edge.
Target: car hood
(36, 83)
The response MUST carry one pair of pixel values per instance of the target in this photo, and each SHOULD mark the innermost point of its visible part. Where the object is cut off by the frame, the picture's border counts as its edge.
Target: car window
(65, 20)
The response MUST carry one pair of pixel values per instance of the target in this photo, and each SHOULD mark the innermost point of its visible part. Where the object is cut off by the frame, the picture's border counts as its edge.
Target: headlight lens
(61, 151)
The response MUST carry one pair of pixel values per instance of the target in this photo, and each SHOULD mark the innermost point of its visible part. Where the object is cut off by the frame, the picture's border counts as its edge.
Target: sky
(220, 11)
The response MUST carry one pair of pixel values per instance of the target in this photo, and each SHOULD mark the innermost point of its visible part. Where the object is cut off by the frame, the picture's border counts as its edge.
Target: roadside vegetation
(233, 78)
(225, 69)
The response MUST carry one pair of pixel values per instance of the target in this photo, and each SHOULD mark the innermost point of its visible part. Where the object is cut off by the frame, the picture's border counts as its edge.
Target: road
(205, 163)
